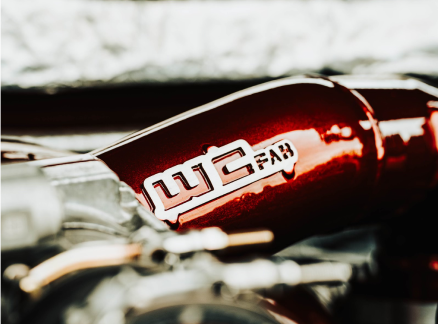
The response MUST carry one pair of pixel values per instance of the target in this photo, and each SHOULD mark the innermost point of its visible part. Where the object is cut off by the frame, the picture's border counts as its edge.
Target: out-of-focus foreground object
(18, 151)
(31, 208)
(70, 226)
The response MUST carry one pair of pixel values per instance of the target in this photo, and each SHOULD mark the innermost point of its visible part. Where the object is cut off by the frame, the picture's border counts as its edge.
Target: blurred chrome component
(206, 239)
(248, 238)
(261, 273)
(83, 142)
(31, 209)
(264, 273)
(90, 191)
(14, 150)
(16, 272)
(77, 193)
(87, 256)
(213, 238)
(183, 297)
(326, 272)
(95, 198)
(133, 296)
(78, 259)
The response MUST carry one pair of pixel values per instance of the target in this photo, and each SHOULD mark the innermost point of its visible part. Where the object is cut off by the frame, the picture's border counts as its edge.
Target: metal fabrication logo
(280, 156)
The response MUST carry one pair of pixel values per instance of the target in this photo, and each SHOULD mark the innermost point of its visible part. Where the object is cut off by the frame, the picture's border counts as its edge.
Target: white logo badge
(280, 156)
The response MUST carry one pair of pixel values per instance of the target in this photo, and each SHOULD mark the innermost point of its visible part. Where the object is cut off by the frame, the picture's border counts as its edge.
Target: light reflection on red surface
(238, 195)
(336, 170)
(434, 125)
(313, 152)
(378, 137)
(406, 128)
(371, 123)
(433, 265)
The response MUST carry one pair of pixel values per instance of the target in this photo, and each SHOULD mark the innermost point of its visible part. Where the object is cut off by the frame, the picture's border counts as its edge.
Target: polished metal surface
(31, 209)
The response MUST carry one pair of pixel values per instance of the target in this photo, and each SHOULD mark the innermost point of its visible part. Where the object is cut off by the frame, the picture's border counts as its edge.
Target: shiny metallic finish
(31, 209)
(14, 150)
(344, 166)
(140, 250)
(212, 238)
(407, 120)
(132, 295)
(338, 157)
(75, 260)
(94, 198)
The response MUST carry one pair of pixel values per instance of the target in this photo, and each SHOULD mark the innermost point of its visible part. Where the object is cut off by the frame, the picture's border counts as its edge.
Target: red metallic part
(408, 125)
(335, 172)
(341, 157)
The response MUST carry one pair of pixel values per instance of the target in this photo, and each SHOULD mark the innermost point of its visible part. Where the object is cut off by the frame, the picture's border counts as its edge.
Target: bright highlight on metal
(78, 259)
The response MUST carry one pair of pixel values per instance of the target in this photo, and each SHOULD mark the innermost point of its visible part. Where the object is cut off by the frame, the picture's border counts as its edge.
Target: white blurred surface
(73, 142)
(48, 43)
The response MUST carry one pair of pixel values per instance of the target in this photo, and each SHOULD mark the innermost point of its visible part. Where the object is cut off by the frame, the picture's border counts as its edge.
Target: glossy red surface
(341, 158)
(408, 125)
(335, 172)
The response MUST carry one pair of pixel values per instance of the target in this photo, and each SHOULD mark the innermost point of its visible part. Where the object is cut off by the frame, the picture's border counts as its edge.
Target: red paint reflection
(344, 170)
(434, 125)
(314, 150)
(433, 265)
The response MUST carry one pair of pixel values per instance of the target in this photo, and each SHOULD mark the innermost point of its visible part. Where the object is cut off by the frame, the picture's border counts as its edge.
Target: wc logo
(280, 156)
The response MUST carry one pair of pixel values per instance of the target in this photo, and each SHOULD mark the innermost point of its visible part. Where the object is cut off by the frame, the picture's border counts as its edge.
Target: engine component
(14, 150)
(262, 157)
(207, 284)
(31, 208)
(293, 158)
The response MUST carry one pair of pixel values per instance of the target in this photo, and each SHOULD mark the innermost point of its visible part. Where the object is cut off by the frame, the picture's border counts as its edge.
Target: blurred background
(80, 74)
